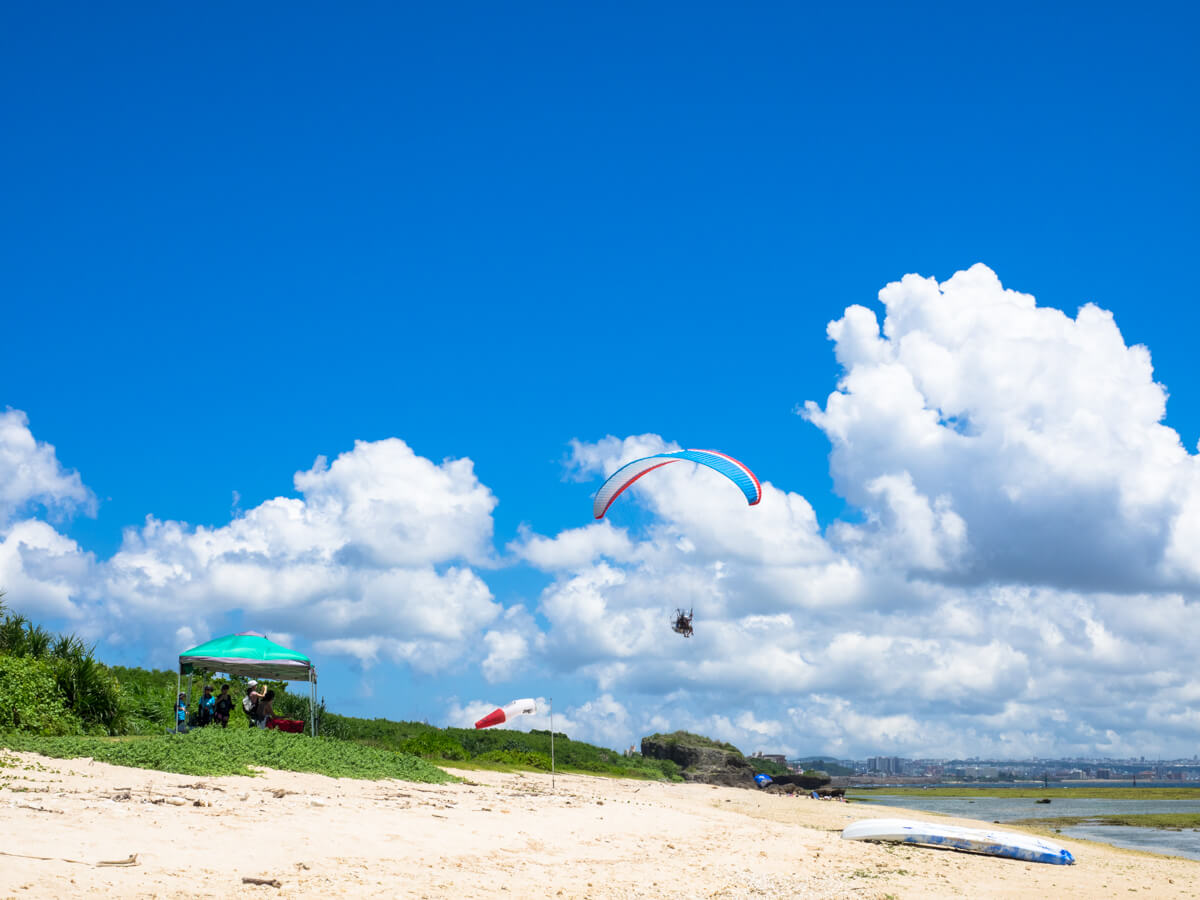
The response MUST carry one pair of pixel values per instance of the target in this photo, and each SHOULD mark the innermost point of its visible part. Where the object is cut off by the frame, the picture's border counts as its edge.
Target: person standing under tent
(207, 708)
(181, 713)
(251, 703)
(223, 706)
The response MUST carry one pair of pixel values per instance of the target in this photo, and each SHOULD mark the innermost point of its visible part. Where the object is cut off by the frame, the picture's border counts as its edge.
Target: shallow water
(1001, 809)
(1152, 840)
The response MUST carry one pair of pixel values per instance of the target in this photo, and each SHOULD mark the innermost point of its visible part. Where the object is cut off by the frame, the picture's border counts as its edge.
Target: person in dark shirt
(223, 706)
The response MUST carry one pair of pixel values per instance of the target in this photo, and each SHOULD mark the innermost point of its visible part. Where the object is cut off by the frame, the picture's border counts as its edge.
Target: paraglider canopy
(735, 471)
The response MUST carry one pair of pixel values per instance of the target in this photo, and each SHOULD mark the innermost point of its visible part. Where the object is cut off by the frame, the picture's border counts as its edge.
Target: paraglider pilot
(683, 623)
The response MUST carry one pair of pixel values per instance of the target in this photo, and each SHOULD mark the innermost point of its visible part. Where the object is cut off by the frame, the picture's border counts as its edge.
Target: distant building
(886, 765)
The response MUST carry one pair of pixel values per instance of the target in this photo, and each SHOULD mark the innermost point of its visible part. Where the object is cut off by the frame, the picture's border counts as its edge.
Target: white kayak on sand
(997, 843)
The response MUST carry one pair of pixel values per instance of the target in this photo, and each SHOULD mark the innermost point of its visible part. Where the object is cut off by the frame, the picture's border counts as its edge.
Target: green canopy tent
(254, 656)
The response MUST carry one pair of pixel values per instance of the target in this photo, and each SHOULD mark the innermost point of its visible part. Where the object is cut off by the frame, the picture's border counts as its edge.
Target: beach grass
(214, 751)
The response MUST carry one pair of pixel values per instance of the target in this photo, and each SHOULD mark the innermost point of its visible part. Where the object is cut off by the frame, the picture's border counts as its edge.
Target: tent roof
(249, 654)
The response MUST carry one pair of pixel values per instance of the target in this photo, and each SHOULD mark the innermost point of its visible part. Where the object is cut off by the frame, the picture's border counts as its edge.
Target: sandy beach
(68, 826)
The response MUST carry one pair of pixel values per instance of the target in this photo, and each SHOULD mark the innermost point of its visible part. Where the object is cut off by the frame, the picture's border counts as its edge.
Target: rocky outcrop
(709, 762)
(809, 782)
(700, 759)
(791, 788)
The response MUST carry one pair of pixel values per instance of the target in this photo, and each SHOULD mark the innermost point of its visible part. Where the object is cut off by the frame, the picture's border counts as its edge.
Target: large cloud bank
(1009, 442)
(371, 561)
(1018, 579)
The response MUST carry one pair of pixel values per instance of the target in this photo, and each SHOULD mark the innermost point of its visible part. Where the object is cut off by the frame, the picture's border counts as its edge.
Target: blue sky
(239, 240)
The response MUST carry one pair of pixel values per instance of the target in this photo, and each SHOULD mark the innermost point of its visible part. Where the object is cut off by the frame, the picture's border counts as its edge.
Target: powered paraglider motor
(683, 623)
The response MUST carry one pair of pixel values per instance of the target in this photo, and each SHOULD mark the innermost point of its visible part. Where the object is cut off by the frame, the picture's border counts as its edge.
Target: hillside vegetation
(496, 748)
(53, 684)
(56, 698)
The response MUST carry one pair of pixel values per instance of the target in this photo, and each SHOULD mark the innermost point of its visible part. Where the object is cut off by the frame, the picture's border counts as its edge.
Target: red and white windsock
(498, 716)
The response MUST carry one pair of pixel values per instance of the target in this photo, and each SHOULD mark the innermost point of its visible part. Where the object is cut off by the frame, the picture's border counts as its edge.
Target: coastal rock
(812, 781)
(700, 759)
(803, 785)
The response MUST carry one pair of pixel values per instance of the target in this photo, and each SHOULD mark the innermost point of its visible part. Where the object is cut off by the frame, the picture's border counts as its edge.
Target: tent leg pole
(174, 711)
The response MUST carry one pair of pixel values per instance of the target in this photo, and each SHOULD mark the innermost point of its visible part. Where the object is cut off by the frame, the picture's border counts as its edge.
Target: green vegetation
(53, 683)
(211, 751)
(70, 705)
(687, 739)
(828, 766)
(1076, 793)
(434, 744)
(1164, 821)
(518, 759)
(57, 699)
(30, 699)
(505, 749)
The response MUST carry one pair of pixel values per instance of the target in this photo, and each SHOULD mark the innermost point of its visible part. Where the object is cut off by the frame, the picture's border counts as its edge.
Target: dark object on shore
(792, 787)
(805, 782)
(1044, 800)
(269, 882)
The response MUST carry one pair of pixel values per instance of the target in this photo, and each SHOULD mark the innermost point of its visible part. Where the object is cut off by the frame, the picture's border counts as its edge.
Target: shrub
(30, 698)
(434, 745)
(91, 692)
(524, 759)
(86, 687)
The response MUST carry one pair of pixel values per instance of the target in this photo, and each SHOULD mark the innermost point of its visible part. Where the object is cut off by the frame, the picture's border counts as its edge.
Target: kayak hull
(1010, 844)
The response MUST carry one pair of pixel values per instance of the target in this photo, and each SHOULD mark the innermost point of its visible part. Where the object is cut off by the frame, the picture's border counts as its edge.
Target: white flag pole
(551, 743)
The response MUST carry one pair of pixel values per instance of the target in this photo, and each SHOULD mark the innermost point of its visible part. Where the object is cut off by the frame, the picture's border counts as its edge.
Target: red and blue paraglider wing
(735, 471)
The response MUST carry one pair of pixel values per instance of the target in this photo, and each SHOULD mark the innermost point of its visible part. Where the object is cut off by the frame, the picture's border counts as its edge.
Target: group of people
(258, 704)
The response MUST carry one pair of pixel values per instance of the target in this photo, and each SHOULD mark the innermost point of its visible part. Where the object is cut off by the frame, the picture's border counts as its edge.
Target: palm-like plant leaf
(12, 635)
(37, 641)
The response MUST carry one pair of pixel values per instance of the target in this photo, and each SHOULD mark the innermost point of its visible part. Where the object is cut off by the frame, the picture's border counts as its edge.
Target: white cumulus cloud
(31, 475)
(1035, 439)
(373, 559)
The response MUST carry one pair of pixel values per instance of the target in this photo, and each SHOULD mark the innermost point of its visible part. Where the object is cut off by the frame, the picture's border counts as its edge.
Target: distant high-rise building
(886, 765)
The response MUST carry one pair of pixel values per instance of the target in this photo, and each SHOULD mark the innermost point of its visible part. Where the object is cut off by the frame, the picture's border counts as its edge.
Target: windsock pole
(551, 699)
